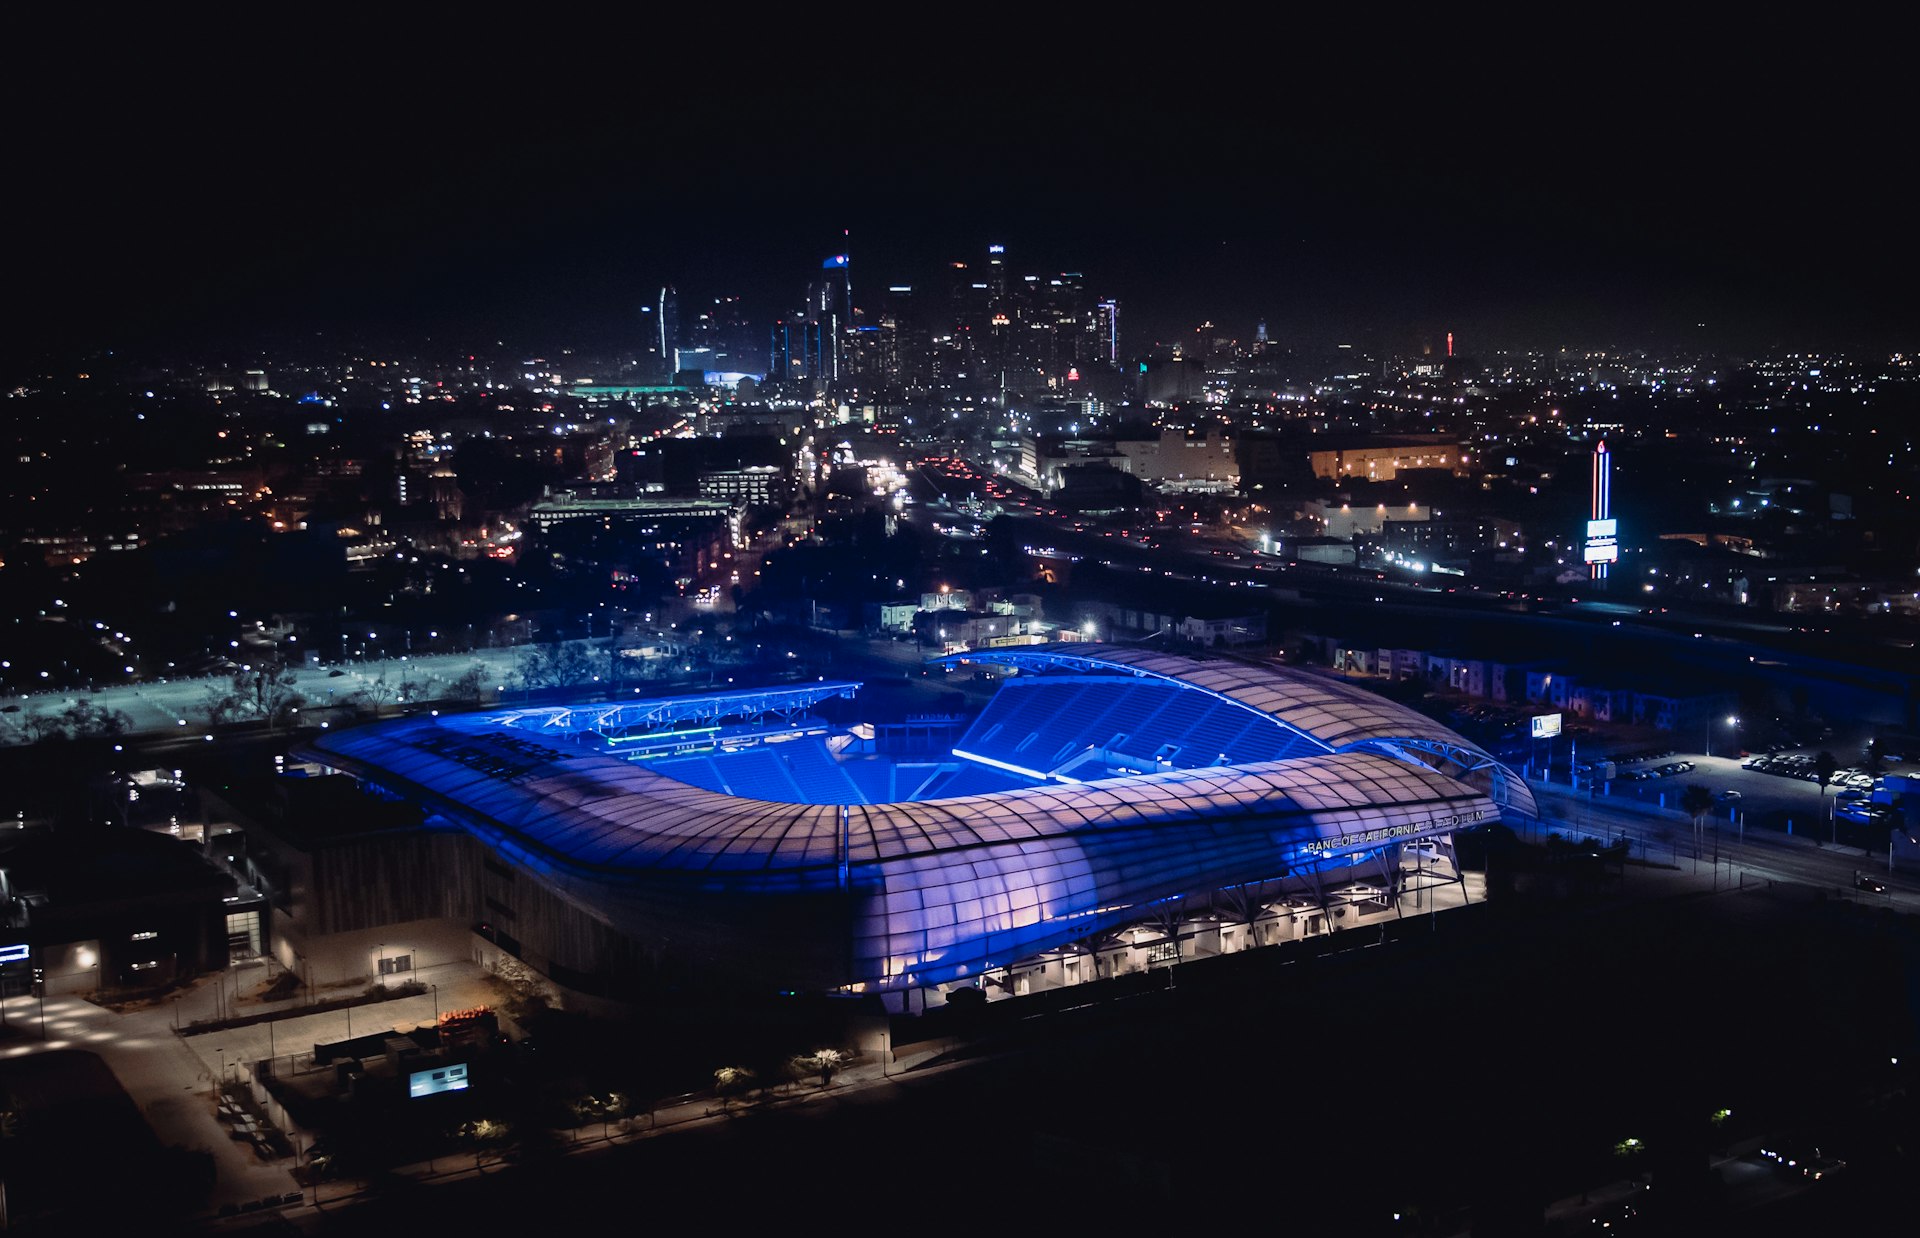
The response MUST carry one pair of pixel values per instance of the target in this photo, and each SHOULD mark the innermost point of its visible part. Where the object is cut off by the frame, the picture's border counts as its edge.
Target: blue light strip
(661, 711)
(1016, 769)
(662, 736)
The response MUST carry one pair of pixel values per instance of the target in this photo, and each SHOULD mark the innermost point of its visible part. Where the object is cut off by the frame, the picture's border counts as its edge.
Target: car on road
(1800, 1160)
(1872, 885)
(1727, 797)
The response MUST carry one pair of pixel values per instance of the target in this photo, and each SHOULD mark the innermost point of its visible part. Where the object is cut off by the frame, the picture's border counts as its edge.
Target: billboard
(449, 1078)
(1546, 726)
(1603, 545)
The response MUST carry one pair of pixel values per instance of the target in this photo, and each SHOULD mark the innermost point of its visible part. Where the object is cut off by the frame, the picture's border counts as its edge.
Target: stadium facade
(739, 839)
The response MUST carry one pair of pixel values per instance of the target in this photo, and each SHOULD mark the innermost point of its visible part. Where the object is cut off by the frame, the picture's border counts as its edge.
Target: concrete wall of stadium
(333, 899)
(344, 902)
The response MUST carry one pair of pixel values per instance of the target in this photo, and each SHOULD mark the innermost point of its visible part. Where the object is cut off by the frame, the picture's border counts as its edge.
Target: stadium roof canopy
(924, 892)
(1334, 715)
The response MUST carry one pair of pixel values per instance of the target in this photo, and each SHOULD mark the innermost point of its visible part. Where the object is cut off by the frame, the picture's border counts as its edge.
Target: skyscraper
(828, 318)
(667, 321)
(904, 344)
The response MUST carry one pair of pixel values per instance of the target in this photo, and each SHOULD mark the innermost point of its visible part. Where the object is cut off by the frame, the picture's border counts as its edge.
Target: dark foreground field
(1476, 1070)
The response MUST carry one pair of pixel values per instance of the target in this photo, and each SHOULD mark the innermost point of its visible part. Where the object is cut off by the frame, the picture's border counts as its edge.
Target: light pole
(1733, 723)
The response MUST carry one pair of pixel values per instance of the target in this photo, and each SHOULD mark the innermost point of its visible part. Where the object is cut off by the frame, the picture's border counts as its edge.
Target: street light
(1733, 723)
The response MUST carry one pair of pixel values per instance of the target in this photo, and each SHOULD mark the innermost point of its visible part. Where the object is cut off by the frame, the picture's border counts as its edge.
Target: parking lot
(1777, 791)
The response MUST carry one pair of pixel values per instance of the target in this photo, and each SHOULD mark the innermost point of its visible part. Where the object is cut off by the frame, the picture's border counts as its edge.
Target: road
(1725, 852)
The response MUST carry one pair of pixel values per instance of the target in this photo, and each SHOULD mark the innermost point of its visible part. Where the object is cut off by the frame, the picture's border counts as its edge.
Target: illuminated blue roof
(941, 888)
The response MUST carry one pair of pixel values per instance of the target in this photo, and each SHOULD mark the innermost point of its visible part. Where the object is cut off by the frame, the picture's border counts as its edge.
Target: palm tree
(825, 1061)
(1696, 801)
(731, 1081)
(1824, 765)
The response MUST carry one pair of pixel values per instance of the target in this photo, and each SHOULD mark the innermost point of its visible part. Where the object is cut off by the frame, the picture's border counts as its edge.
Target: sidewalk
(291, 1032)
(172, 1085)
(171, 1075)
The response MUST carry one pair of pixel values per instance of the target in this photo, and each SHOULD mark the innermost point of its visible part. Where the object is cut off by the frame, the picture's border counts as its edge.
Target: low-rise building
(117, 909)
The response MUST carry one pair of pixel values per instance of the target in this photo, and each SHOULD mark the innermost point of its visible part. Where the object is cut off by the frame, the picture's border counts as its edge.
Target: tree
(823, 1062)
(524, 996)
(1696, 801)
(1824, 766)
(483, 1135)
(732, 1081)
(375, 694)
(565, 664)
(36, 726)
(86, 720)
(1898, 821)
(470, 686)
(266, 692)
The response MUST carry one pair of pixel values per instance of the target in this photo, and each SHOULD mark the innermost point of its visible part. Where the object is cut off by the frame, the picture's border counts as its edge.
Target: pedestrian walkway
(291, 1032)
(160, 1072)
(171, 1075)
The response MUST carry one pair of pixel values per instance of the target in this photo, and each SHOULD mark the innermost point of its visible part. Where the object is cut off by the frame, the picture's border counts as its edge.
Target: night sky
(1755, 184)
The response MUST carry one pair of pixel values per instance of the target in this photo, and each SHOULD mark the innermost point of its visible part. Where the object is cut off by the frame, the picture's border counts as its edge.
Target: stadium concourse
(1110, 809)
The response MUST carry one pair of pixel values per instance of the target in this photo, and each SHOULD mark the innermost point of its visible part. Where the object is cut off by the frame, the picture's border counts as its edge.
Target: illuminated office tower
(667, 325)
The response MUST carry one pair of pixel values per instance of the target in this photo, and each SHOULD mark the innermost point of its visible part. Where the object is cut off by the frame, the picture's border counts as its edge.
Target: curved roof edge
(583, 808)
(1295, 698)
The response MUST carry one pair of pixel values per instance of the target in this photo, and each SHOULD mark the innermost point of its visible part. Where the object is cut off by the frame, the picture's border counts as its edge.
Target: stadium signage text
(1397, 831)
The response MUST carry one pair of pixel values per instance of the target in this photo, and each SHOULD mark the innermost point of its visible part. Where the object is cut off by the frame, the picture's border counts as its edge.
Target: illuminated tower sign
(1603, 540)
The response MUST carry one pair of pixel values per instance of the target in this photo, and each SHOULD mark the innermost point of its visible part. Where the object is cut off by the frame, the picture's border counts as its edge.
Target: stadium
(1110, 808)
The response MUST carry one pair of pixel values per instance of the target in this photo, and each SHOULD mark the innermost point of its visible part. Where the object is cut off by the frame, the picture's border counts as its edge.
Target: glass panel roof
(601, 812)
